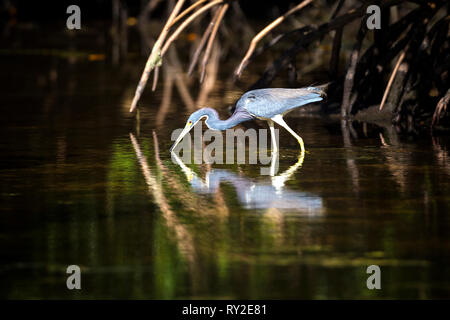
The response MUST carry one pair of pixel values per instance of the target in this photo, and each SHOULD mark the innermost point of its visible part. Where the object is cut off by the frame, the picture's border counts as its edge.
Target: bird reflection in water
(255, 194)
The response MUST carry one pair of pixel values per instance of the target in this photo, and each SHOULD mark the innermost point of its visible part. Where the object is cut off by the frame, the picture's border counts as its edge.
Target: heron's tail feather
(320, 90)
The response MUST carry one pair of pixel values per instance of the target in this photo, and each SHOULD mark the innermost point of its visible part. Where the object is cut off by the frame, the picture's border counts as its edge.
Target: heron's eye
(190, 122)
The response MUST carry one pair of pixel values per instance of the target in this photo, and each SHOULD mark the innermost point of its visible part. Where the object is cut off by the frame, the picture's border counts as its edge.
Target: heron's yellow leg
(279, 180)
(279, 119)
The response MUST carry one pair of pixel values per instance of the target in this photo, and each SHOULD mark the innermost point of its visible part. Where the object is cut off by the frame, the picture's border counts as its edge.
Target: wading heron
(264, 104)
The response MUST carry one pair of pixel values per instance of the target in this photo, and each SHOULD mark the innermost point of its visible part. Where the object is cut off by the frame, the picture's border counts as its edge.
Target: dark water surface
(73, 191)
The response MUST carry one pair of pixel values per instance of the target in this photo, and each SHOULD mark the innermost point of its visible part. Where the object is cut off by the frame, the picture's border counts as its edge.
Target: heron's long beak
(186, 129)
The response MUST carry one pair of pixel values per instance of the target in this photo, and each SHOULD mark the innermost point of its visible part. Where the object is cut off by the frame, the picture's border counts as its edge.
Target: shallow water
(83, 182)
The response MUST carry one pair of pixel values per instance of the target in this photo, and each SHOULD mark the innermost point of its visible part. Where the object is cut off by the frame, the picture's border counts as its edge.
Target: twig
(314, 34)
(155, 78)
(337, 43)
(180, 81)
(154, 57)
(441, 107)
(284, 60)
(222, 11)
(166, 96)
(335, 52)
(202, 43)
(185, 12)
(143, 19)
(337, 9)
(391, 79)
(243, 21)
(297, 32)
(372, 66)
(211, 71)
(350, 75)
(186, 23)
(264, 32)
(149, 7)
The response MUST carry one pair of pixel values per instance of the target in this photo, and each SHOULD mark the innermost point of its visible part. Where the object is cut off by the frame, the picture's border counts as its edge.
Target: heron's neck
(214, 122)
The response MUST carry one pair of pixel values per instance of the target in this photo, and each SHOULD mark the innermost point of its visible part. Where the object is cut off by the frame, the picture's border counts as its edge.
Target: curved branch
(222, 11)
(264, 32)
(202, 43)
(441, 108)
(391, 79)
(281, 62)
(185, 12)
(154, 57)
(346, 105)
(154, 60)
(186, 23)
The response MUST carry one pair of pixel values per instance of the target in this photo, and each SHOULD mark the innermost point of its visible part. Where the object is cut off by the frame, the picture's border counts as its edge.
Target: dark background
(52, 11)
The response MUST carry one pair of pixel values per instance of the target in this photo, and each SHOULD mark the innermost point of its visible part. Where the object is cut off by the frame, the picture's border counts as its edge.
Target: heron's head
(191, 122)
(197, 116)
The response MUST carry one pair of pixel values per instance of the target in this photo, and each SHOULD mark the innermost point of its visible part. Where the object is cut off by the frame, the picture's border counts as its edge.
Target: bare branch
(186, 23)
(154, 57)
(155, 78)
(313, 34)
(350, 75)
(391, 79)
(440, 108)
(185, 12)
(264, 32)
(337, 43)
(202, 43)
(222, 11)
(335, 52)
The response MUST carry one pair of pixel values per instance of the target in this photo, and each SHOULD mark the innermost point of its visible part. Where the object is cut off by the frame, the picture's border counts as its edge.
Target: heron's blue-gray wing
(267, 103)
